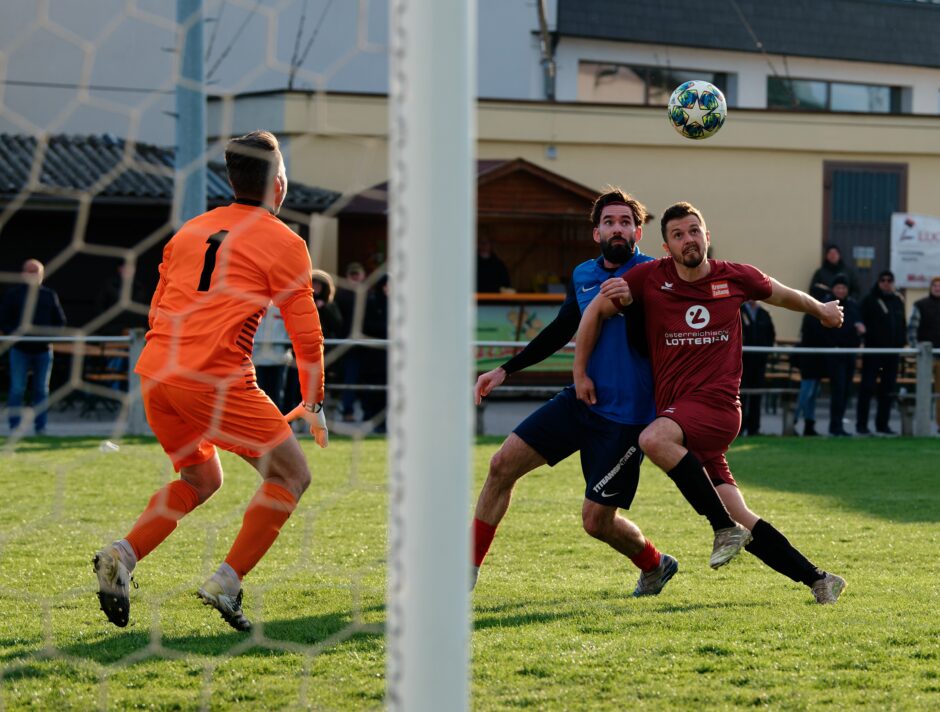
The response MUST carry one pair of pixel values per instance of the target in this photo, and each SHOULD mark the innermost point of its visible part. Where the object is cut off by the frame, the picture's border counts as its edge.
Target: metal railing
(136, 422)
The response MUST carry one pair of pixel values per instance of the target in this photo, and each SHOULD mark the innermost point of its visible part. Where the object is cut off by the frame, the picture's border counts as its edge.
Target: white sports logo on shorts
(697, 317)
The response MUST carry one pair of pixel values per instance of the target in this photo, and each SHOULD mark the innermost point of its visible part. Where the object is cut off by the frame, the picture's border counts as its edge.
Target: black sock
(775, 550)
(697, 488)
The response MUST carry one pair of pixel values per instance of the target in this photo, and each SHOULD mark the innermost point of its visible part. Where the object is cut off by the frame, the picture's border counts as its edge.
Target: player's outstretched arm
(830, 313)
(593, 318)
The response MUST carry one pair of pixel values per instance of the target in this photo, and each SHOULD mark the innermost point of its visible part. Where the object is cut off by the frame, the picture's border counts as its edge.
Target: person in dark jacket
(324, 296)
(820, 286)
(350, 363)
(375, 359)
(883, 315)
(331, 322)
(32, 310)
(841, 367)
(812, 371)
(924, 325)
(757, 329)
(492, 273)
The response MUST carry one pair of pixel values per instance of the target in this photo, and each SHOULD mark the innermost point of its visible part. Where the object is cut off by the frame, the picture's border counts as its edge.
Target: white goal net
(114, 117)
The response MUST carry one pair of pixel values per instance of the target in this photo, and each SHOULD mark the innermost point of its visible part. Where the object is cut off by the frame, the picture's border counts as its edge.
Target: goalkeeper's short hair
(252, 162)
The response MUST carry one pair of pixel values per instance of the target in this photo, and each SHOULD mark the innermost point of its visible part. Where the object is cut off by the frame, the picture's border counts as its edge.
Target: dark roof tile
(113, 168)
(884, 31)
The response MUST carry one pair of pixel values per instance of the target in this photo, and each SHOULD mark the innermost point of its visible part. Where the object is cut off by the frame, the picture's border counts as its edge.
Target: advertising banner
(915, 249)
(516, 322)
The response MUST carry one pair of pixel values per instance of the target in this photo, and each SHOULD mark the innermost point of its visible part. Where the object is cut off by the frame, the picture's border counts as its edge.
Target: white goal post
(432, 132)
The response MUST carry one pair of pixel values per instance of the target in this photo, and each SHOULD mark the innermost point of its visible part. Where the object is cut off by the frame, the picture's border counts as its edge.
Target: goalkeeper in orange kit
(218, 275)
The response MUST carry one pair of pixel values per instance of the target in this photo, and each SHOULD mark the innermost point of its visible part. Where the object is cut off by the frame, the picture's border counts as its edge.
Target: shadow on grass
(892, 478)
(524, 613)
(520, 613)
(19, 647)
(275, 635)
(517, 620)
(690, 607)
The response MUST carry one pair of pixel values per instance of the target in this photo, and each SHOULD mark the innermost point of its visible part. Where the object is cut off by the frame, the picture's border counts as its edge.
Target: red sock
(167, 506)
(648, 559)
(483, 534)
(267, 511)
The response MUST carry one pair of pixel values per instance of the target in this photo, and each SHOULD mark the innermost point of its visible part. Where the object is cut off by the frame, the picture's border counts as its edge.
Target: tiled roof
(114, 169)
(882, 31)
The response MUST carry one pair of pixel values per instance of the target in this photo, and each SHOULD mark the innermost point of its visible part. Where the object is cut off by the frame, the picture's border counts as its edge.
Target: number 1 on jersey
(208, 265)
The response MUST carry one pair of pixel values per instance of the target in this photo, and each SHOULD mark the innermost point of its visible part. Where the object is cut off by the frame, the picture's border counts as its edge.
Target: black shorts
(610, 451)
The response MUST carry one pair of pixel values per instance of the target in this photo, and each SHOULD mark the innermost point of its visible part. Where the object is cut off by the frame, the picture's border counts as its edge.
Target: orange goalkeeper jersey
(218, 274)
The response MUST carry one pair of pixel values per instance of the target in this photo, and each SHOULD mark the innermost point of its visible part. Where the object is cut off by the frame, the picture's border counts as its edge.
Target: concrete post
(923, 413)
(136, 419)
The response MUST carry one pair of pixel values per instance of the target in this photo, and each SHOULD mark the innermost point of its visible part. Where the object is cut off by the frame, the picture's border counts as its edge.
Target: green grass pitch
(554, 626)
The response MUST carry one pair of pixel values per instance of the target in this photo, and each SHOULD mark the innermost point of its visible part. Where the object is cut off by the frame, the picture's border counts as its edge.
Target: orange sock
(167, 506)
(267, 511)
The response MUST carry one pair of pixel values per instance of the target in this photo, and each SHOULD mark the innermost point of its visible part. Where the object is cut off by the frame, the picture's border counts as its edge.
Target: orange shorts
(189, 423)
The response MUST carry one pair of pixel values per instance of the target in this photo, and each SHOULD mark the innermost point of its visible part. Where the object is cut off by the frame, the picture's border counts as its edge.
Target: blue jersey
(623, 380)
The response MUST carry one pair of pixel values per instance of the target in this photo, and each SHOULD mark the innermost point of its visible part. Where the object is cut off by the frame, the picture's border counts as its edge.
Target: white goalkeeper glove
(313, 415)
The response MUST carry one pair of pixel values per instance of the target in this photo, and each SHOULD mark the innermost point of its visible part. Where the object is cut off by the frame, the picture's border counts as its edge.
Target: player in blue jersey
(606, 433)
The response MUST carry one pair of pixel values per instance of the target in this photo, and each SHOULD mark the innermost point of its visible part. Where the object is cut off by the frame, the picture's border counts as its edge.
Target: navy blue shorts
(610, 452)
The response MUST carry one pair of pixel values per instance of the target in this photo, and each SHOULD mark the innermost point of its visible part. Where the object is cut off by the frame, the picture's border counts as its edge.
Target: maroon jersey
(694, 328)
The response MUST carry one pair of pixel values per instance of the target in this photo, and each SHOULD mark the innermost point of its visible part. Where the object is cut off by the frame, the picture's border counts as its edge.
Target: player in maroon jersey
(693, 327)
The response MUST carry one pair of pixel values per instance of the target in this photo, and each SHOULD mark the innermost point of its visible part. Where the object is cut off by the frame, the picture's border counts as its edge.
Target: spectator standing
(757, 329)
(272, 357)
(820, 285)
(375, 359)
(812, 370)
(30, 309)
(841, 367)
(324, 296)
(492, 274)
(350, 364)
(925, 326)
(883, 315)
(331, 323)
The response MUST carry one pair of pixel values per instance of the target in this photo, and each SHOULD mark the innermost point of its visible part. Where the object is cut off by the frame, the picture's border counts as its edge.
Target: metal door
(857, 205)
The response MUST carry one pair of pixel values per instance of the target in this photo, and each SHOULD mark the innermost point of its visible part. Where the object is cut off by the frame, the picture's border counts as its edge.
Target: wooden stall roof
(504, 188)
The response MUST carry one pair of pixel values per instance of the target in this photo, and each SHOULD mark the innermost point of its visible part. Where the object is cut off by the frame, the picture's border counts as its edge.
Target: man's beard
(619, 253)
(692, 259)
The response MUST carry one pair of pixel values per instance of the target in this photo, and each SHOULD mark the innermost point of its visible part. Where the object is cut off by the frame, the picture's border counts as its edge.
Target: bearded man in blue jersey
(606, 433)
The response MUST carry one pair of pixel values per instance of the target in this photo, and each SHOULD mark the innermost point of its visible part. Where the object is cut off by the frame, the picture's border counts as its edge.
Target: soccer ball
(697, 109)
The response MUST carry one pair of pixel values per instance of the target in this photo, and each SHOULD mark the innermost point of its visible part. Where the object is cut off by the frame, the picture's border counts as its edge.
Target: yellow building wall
(759, 181)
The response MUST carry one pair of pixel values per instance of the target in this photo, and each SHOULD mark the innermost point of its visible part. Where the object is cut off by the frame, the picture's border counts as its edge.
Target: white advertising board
(915, 249)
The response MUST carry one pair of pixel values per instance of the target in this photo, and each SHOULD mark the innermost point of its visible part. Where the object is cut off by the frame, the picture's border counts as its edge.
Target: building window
(819, 95)
(632, 84)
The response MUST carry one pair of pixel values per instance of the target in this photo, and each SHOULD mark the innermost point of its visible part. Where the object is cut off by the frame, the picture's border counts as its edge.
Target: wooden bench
(91, 402)
(106, 377)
